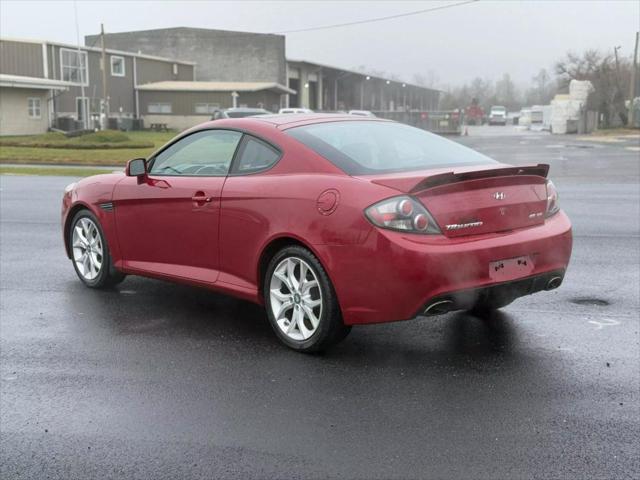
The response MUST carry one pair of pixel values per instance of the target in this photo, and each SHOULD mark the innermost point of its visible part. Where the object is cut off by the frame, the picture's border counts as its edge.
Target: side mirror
(136, 167)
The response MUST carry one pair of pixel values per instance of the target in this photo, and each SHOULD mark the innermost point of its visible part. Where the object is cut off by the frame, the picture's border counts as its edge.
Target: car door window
(204, 153)
(255, 155)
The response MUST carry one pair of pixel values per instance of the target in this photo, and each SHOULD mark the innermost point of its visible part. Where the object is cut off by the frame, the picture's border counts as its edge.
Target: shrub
(104, 136)
(52, 137)
(105, 140)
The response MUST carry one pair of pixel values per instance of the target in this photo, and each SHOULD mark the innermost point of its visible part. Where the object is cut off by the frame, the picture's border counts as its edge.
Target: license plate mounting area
(511, 268)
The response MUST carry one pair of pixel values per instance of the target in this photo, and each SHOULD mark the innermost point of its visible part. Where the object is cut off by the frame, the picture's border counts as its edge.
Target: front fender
(94, 194)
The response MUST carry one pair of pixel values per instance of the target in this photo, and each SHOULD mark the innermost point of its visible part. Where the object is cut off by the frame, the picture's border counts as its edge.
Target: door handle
(200, 197)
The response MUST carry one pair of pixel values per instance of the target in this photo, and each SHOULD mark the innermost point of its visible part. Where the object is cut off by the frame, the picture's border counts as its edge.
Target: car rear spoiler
(424, 183)
(540, 170)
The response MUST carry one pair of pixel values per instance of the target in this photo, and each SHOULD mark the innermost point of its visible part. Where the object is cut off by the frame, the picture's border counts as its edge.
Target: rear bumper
(393, 276)
(499, 293)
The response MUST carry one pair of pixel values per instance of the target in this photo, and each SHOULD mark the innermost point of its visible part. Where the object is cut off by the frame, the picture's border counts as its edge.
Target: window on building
(175, 69)
(33, 107)
(206, 108)
(73, 65)
(159, 108)
(255, 155)
(117, 66)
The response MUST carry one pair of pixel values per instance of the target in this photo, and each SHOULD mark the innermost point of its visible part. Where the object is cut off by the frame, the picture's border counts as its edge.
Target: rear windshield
(369, 147)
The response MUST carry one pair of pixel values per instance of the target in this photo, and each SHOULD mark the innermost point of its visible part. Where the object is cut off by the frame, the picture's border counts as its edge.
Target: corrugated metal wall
(183, 103)
(120, 89)
(155, 71)
(21, 58)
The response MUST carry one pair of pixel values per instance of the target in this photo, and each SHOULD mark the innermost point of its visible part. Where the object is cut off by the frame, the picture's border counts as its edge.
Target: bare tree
(609, 82)
(482, 90)
(543, 89)
(506, 93)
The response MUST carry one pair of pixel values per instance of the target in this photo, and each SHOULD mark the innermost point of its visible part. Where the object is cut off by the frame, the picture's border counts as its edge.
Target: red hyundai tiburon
(329, 221)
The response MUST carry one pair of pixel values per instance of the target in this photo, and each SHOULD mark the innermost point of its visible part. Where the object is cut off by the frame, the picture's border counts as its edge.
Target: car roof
(244, 109)
(284, 121)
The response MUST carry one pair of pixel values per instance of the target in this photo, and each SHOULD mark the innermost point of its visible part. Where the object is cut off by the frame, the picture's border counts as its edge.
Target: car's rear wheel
(90, 252)
(301, 303)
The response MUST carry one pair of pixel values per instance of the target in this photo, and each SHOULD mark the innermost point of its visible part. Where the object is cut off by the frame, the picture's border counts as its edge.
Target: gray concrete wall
(220, 55)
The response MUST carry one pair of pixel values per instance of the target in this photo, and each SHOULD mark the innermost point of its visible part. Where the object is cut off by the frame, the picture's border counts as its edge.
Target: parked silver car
(294, 110)
(239, 112)
(361, 113)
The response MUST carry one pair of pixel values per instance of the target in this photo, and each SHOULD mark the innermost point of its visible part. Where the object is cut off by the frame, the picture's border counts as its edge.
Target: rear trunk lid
(474, 202)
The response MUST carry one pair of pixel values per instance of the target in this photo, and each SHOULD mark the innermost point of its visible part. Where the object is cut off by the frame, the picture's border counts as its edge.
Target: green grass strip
(58, 171)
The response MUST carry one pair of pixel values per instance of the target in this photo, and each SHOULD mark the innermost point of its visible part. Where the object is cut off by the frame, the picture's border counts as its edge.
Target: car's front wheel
(90, 252)
(301, 303)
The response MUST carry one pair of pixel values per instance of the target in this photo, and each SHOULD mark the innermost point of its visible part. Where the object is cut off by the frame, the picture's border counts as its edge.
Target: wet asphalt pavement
(154, 380)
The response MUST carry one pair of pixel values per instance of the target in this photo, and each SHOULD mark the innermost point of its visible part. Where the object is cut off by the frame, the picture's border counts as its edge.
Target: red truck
(474, 113)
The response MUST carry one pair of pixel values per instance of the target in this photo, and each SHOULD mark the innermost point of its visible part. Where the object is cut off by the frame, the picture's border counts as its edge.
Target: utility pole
(615, 53)
(84, 103)
(632, 84)
(104, 114)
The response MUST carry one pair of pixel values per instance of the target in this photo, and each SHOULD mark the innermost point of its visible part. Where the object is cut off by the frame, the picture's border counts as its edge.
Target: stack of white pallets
(567, 109)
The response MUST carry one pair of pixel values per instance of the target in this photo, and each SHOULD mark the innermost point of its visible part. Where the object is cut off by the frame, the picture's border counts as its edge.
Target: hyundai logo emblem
(499, 195)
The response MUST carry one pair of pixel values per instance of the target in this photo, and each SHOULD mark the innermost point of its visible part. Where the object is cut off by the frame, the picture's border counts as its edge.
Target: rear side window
(372, 147)
(255, 155)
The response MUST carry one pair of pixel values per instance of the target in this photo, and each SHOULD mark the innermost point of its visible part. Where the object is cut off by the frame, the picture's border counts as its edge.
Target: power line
(379, 19)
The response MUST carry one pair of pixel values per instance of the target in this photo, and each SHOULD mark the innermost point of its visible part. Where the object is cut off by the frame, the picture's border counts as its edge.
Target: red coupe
(328, 221)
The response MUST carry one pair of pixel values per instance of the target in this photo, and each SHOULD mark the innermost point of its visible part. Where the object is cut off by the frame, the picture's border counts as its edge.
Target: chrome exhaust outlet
(439, 307)
(554, 283)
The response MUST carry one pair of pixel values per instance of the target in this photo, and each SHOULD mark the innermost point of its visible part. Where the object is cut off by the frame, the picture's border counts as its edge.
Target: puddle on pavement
(591, 302)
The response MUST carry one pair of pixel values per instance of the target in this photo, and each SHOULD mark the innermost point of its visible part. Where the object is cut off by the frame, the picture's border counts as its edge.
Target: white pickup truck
(498, 115)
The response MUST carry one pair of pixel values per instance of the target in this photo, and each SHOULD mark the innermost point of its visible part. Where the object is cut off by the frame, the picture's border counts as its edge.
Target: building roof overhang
(344, 72)
(187, 86)
(19, 81)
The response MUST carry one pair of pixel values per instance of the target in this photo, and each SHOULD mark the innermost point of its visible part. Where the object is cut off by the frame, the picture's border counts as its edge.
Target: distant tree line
(609, 75)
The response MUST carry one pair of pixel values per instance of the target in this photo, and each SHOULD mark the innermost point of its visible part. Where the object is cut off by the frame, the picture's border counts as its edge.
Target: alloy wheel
(87, 248)
(296, 298)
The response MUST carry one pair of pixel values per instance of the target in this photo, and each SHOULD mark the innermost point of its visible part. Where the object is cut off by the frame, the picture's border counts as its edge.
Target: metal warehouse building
(69, 80)
(224, 56)
(177, 77)
(184, 104)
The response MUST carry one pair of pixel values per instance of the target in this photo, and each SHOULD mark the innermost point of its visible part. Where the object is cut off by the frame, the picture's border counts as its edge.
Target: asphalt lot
(154, 380)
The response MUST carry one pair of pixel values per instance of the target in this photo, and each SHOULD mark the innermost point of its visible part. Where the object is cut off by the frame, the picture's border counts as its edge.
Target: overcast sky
(486, 39)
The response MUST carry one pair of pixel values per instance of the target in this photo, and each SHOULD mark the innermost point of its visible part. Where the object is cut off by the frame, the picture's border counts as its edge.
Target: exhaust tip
(438, 308)
(554, 283)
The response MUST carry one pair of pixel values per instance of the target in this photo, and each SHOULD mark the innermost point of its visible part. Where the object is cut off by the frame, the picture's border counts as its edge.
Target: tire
(312, 302)
(96, 271)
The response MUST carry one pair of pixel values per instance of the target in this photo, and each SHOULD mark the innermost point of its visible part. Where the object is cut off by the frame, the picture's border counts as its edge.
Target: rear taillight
(552, 199)
(402, 213)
